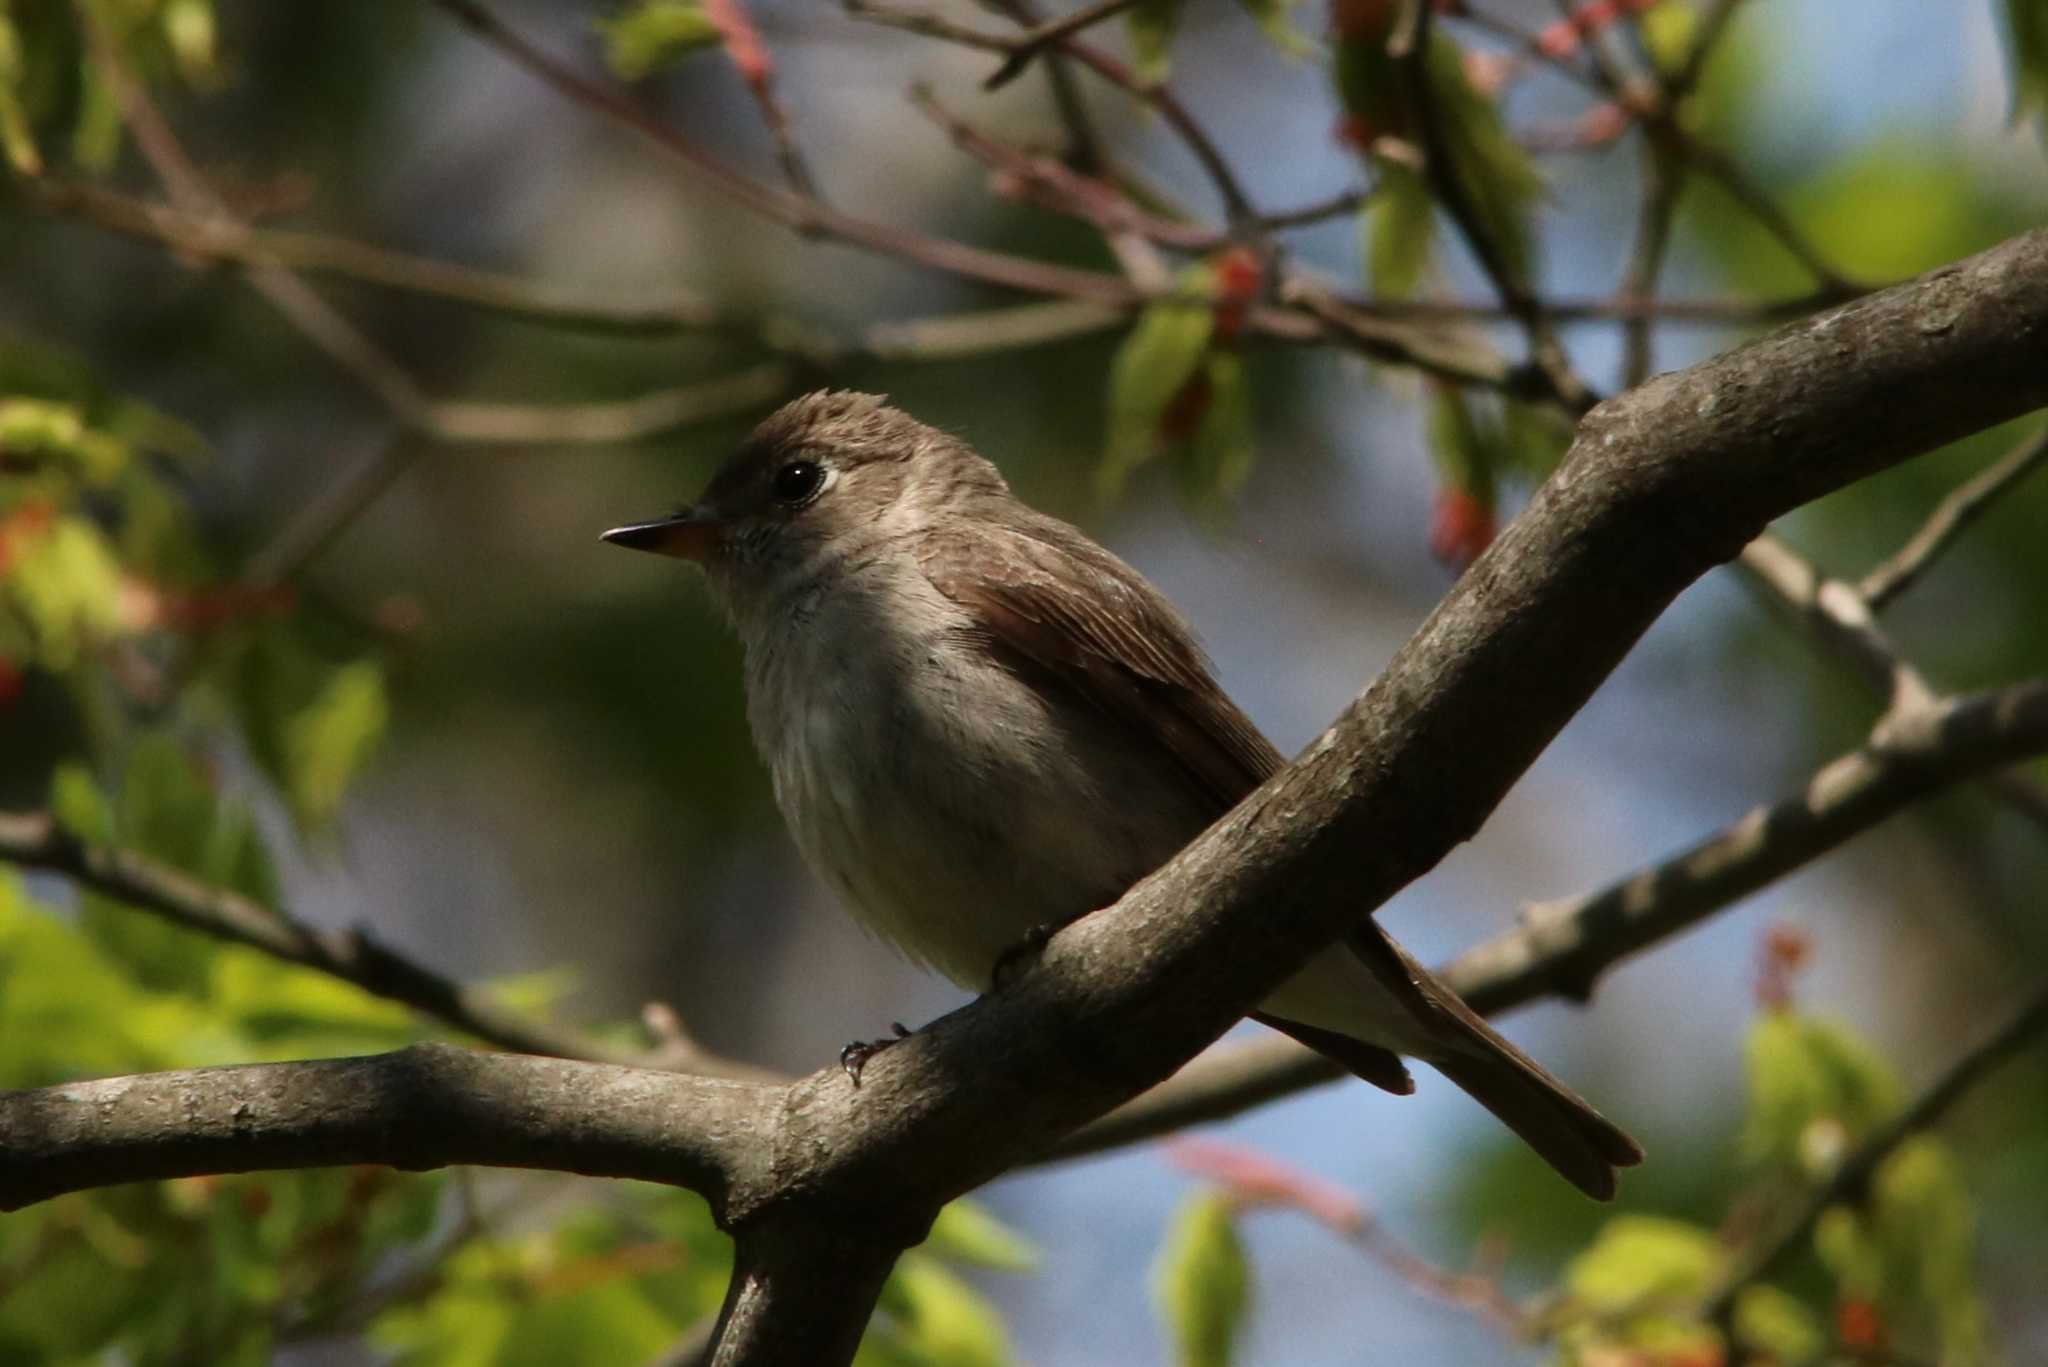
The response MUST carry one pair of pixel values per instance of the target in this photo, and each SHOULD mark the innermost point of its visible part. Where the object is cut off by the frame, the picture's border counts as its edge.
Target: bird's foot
(1011, 961)
(854, 1057)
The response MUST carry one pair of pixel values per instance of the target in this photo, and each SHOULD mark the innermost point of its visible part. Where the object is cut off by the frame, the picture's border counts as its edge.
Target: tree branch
(422, 1107)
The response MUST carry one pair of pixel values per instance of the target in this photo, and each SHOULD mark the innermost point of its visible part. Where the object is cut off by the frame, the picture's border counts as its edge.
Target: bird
(980, 723)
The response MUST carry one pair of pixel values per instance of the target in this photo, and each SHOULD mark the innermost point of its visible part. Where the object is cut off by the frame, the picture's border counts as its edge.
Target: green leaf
(1156, 361)
(937, 1318)
(1496, 174)
(1150, 25)
(1202, 1282)
(66, 587)
(1640, 1260)
(655, 34)
(1813, 1089)
(79, 806)
(37, 429)
(191, 33)
(1669, 29)
(327, 742)
(2026, 45)
(1224, 444)
(967, 1233)
(1467, 450)
(17, 141)
(1399, 224)
(1778, 1326)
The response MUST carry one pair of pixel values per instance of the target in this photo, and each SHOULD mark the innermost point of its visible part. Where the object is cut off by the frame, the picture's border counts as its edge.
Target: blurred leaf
(1162, 354)
(1150, 24)
(1814, 1088)
(939, 1320)
(1495, 173)
(192, 35)
(1223, 446)
(1668, 30)
(79, 806)
(2026, 45)
(1849, 1253)
(1642, 1260)
(327, 742)
(655, 34)
(37, 429)
(66, 587)
(968, 1233)
(1778, 1326)
(1399, 223)
(1202, 1282)
(17, 141)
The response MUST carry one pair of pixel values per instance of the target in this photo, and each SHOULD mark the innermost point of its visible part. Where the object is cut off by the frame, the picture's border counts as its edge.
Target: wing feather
(1058, 604)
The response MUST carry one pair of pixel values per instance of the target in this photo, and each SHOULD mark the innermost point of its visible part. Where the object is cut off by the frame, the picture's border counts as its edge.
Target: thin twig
(1950, 519)
(1852, 1179)
(1051, 33)
(791, 210)
(1161, 99)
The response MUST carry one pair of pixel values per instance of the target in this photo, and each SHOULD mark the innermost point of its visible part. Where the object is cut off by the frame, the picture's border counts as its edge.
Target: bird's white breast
(937, 792)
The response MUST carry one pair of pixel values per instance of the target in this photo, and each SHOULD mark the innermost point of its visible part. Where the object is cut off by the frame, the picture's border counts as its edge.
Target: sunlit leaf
(1644, 1259)
(1778, 1326)
(654, 34)
(1669, 28)
(66, 585)
(1202, 1282)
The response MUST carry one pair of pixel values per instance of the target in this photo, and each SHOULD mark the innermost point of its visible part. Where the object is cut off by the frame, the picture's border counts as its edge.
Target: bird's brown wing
(1063, 609)
(1056, 604)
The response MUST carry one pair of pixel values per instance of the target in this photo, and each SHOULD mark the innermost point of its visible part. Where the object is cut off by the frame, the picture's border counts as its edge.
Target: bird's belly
(948, 804)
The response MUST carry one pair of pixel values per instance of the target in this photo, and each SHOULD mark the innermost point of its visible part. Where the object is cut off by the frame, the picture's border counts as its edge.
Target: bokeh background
(566, 784)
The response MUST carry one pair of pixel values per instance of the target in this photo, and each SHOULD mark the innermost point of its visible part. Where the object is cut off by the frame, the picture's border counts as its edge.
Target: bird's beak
(691, 534)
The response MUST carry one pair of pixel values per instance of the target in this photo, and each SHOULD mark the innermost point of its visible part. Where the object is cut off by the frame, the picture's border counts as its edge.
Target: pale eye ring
(798, 481)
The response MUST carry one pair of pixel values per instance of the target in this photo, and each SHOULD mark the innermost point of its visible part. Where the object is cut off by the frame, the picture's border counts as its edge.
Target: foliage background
(540, 740)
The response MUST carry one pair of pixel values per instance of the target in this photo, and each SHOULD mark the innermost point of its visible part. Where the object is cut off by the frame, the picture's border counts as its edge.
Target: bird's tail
(1584, 1146)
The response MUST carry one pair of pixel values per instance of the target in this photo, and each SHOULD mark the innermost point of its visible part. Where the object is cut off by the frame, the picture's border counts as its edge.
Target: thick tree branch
(422, 1107)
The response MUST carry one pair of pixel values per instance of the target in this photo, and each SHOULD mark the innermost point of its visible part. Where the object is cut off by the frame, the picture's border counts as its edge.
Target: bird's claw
(854, 1057)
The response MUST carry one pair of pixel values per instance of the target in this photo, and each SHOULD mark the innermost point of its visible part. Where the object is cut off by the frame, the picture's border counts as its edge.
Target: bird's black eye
(798, 480)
